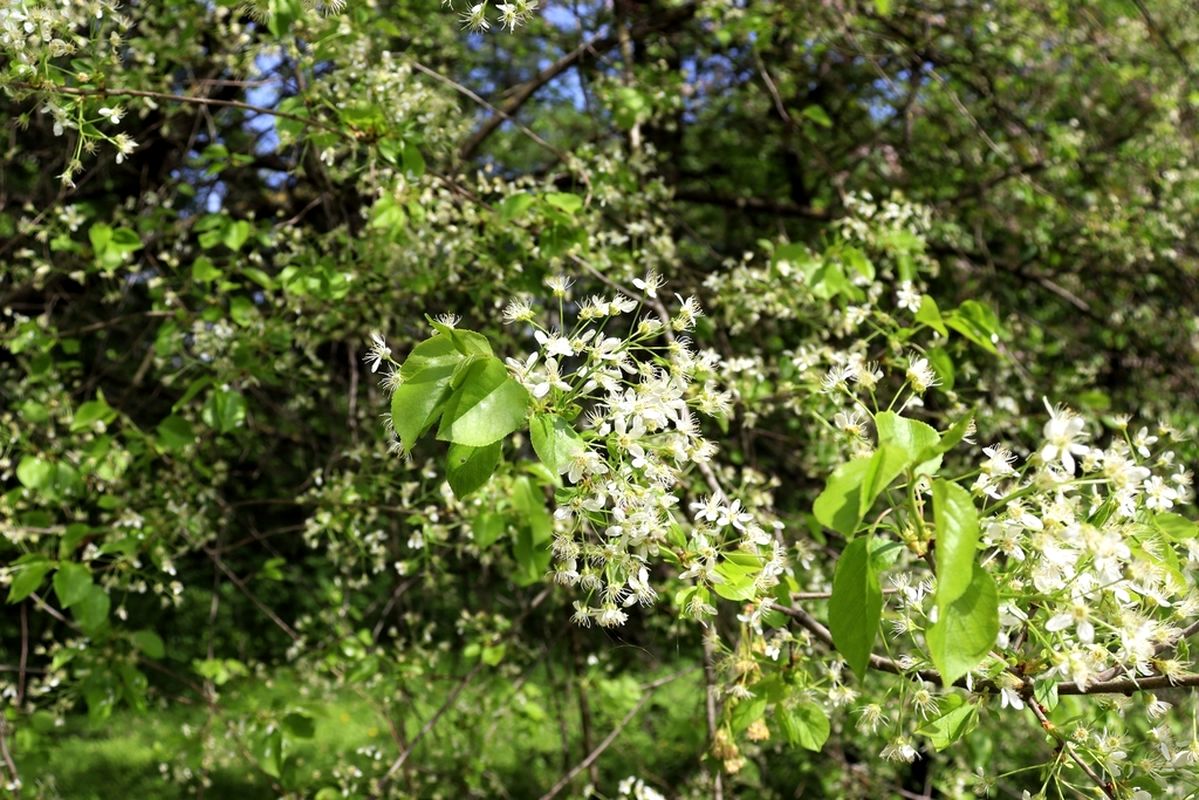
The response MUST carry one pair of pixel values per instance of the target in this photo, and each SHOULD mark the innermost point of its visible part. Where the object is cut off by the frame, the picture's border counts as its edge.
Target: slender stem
(591, 757)
(1068, 749)
(180, 98)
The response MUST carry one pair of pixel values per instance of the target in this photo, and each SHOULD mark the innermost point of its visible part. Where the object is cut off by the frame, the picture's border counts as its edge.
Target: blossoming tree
(668, 399)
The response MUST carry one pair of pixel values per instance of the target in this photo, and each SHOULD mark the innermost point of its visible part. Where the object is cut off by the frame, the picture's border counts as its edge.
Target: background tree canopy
(599, 399)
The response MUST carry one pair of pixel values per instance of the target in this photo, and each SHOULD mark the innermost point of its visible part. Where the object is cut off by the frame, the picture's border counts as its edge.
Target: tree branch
(591, 757)
(590, 48)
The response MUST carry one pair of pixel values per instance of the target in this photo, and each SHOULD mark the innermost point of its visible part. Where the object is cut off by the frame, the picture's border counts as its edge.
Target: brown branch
(503, 115)
(14, 776)
(24, 664)
(180, 98)
(1052, 730)
(253, 598)
(591, 757)
(448, 703)
(765, 206)
(591, 48)
(710, 705)
(884, 664)
(1130, 685)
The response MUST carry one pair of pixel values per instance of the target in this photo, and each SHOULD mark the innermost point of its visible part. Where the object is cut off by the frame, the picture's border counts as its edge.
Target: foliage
(688, 399)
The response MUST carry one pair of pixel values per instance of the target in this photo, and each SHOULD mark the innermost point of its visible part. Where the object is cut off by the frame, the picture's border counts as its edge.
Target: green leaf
(413, 161)
(555, 441)
(805, 725)
(90, 413)
(236, 234)
(747, 712)
(885, 465)
(468, 468)
(837, 506)
(930, 315)
(818, 115)
(514, 205)
(299, 725)
(912, 436)
(149, 643)
(966, 629)
(72, 583)
(91, 612)
(1045, 693)
(630, 107)
(531, 547)
(1176, 527)
(224, 411)
(942, 365)
(203, 270)
(738, 579)
(34, 473)
(854, 486)
(424, 388)
(977, 323)
(486, 406)
(950, 438)
(568, 203)
(29, 571)
(956, 719)
(486, 528)
(175, 433)
(856, 605)
(956, 522)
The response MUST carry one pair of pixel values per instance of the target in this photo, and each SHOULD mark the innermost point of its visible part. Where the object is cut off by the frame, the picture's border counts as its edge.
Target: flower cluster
(511, 15)
(640, 435)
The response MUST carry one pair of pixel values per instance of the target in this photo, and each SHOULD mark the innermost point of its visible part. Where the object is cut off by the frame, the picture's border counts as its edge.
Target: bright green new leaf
(977, 323)
(910, 435)
(34, 473)
(738, 579)
(930, 315)
(90, 413)
(942, 364)
(468, 468)
(965, 630)
(514, 206)
(956, 719)
(486, 406)
(747, 712)
(856, 605)
(950, 438)
(563, 201)
(72, 583)
(818, 115)
(424, 387)
(805, 725)
(854, 486)
(29, 571)
(956, 522)
(555, 441)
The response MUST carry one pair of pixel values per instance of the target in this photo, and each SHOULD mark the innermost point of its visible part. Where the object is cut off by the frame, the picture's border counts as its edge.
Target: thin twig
(181, 98)
(14, 776)
(1052, 730)
(24, 663)
(591, 757)
(710, 704)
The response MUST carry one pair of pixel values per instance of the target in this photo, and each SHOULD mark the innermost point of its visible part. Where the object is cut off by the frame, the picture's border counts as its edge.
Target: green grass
(513, 748)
